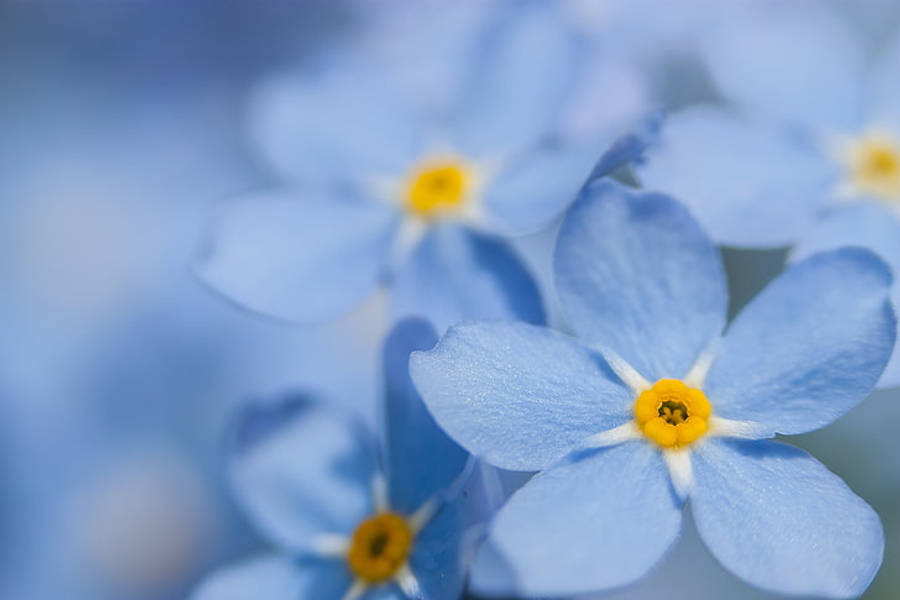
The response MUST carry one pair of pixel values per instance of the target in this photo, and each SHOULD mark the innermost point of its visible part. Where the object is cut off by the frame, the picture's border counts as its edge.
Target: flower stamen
(672, 414)
(438, 188)
(380, 547)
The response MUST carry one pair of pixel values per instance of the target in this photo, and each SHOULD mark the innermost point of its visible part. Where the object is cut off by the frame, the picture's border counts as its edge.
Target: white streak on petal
(696, 377)
(611, 437)
(356, 590)
(680, 470)
(419, 519)
(411, 231)
(629, 376)
(380, 493)
(749, 430)
(408, 583)
(330, 545)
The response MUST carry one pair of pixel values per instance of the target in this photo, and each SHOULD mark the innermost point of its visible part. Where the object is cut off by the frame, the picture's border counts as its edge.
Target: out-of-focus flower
(348, 525)
(410, 195)
(810, 152)
(650, 407)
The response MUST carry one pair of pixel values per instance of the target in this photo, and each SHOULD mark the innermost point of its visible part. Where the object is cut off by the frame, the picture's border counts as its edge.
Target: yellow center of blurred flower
(672, 414)
(874, 165)
(438, 188)
(380, 546)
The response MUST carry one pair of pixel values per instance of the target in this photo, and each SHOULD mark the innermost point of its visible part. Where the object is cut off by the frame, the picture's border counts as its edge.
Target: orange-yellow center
(438, 188)
(874, 165)
(380, 546)
(672, 414)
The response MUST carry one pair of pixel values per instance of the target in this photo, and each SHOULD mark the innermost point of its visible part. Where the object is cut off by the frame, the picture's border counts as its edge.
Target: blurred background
(122, 128)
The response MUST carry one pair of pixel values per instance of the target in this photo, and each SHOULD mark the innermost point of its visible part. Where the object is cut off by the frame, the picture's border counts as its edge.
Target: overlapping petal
(747, 183)
(809, 347)
(276, 578)
(587, 524)
(421, 459)
(637, 275)
(517, 395)
(300, 469)
(298, 259)
(440, 557)
(455, 274)
(778, 519)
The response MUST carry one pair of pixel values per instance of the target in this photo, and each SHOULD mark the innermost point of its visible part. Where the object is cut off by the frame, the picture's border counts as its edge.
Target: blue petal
(777, 518)
(421, 460)
(583, 526)
(809, 347)
(298, 260)
(300, 469)
(749, 185)
(869, 226)
(334, 127)
(800, 66)
(520, 79)
(276, 578)
(885, 107)
(630, 147)
(438, 559)
(637, 275)
(455, 274)
(517, 395)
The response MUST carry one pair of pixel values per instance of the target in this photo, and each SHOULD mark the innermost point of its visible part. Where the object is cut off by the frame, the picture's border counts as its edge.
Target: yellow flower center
(672, 414)
(874, 165)
(438, 188)
(380, 546)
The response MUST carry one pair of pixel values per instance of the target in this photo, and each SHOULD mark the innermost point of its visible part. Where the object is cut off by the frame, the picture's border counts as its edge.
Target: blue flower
(652, 405)
(394, 194)
(809, 153)
(347, 524)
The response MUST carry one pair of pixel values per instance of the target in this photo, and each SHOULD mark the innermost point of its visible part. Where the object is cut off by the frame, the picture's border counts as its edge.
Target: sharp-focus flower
(809, 154)
(397, 194)
(349, 525)
(652, 405)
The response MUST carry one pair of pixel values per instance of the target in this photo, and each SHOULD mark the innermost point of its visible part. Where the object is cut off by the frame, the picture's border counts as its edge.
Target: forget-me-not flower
(393, 193)
(809, 153)
(350, 525)
(649, 407)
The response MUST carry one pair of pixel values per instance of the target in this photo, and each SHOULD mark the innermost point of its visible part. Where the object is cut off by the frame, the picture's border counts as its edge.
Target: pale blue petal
(298, 259)
(421, 460)
(521, 77)
(537, 187)
(809, 347)
(777, 518)
(439, 558)
(455, 274)
(586, 525)
(276, 578)
(867, 225)
(300, 469)
(517, 395)
(637, 275)
(333, 127)
(885, 109)
(629, 149)
(800, 66)
(746, 183)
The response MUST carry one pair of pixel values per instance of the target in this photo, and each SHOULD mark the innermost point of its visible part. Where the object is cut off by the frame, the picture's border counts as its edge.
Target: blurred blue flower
(402, 190)
(620, 443)
(349, 525)
(809, 154)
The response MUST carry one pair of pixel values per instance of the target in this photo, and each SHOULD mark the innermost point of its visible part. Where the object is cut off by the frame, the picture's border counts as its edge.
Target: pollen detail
(438, 188)
(380, 546)
(672, 414)
(874, 165)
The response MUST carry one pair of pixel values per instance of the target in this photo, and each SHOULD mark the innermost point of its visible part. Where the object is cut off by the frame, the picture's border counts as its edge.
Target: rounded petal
(778, 519)
(298, 260)
(276, 578)
(809, 347)
(637, 275)
(748, 184)
(585, 525)
(421, 460)
(332, 127)
(521, 77)
(866, 225)
(300, 469)
(455, 275)
(800, 66)
(517, 395)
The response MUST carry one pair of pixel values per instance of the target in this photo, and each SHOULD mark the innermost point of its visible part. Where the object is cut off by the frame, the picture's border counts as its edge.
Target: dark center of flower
(673, 411)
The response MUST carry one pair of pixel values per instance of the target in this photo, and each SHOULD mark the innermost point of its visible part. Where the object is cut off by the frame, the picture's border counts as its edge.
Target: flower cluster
(622, 389)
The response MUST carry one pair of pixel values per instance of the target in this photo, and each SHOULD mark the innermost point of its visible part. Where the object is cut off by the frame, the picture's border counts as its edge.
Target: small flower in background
(347, 524)
(809, 153)
(407, 195)
(650, 407)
